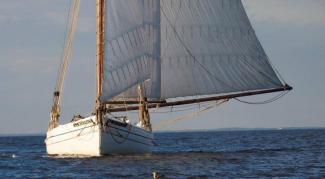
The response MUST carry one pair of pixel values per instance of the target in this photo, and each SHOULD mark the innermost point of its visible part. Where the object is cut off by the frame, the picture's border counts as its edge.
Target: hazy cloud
(30, 64)
(31, 42)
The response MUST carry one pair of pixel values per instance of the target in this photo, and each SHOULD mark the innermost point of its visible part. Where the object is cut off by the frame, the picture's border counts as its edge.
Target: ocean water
(219, 154)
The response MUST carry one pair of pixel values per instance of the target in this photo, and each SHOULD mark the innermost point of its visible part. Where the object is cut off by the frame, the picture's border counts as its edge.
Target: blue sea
(294, 153)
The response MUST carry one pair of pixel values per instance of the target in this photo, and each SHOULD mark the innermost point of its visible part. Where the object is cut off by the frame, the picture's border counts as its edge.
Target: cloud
(24, 62)
(47, 12)
(85, 23)
(18, 12)
(43, 65)
(298, 12)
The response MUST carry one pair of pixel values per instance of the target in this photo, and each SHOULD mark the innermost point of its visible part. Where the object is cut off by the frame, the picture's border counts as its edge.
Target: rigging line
(176, 15)
(264, 102)
(181, 110)
(190, 107)
(276, 70)
(71, 23)
(66, 50)
(124, 102)
(195, 78)
(190, 53)
(245, 60)
(259, 71)
(110, 129)
(268, 61)
(188, 116)
(169, 39)
(75, 13)
(67, 22)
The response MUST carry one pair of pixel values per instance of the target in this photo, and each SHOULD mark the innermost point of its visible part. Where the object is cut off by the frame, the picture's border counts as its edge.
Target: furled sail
(182, 48)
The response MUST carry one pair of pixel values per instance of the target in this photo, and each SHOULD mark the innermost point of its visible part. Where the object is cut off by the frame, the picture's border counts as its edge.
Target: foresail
(130, 38)
(182, 48)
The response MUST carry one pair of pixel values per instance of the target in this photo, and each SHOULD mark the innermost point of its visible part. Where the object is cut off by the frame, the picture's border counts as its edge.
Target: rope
(188, 116)
(124, 138)
(180, 110)
(193, 106)
(264, 102)
(276, 71)
(73, 19)
(67, 22)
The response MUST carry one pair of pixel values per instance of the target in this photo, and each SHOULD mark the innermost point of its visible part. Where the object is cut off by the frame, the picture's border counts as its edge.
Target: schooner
(156, 54)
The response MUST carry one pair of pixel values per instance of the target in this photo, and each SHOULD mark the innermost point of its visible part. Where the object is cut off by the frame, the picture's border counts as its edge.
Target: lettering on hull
(81, 123)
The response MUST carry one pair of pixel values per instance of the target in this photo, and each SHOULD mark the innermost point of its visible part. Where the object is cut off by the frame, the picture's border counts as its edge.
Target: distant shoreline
(192, 130)
(240, 129)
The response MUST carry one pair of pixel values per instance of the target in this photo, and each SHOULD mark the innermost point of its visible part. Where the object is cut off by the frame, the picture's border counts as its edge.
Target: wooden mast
(144, 116)
(100, 4)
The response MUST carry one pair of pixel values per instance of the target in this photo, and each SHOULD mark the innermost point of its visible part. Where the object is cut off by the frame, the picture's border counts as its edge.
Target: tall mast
(100, 18)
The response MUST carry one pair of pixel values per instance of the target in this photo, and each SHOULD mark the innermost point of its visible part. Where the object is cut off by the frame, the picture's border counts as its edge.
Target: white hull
(84, 137)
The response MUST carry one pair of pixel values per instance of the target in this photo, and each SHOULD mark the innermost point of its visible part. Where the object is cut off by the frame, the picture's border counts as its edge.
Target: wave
(249, 150)
(8, 155)
(68, 156)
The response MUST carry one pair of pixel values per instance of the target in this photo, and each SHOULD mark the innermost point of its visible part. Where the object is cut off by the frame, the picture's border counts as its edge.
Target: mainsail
(182, 48)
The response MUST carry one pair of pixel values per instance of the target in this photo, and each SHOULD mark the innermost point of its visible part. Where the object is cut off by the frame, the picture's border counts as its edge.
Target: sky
(32, 32)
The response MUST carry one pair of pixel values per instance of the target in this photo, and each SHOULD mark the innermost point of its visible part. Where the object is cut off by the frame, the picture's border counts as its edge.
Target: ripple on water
(256, 154)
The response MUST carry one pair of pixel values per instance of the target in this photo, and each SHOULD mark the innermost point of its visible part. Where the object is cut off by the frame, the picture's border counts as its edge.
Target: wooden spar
(144, 116)
(100, 45)
(214, 98)
(134, 102)
(99, 49)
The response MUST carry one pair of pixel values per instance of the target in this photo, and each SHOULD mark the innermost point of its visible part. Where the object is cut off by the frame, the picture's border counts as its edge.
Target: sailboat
(154, 54)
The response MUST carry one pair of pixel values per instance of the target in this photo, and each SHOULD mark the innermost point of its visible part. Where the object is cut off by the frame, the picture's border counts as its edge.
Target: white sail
(130, 38)
(205, 47)
(225, 54)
